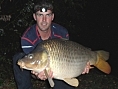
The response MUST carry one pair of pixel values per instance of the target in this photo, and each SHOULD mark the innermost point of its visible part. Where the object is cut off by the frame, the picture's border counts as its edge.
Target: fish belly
(67, 71)
(67, 68)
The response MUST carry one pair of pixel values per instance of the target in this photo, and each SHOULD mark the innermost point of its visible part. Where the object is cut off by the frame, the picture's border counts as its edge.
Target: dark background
(93, 23)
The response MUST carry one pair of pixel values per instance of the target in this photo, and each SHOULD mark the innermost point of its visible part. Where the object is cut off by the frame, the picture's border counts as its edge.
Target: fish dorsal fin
(72, 81)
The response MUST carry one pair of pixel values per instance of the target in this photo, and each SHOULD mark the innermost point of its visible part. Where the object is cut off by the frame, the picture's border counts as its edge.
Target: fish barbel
(67, 59)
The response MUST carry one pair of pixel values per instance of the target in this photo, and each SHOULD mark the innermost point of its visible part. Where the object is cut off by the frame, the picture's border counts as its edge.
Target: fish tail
(103, 54)
(101, 63)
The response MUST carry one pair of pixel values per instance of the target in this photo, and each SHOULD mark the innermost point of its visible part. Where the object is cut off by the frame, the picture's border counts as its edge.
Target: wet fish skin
(67, 59)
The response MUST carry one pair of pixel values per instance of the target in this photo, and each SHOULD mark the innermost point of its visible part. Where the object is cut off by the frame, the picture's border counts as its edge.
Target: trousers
(23, 78)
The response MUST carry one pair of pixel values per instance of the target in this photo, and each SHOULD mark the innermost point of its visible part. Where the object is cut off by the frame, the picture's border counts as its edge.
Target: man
(43, 29)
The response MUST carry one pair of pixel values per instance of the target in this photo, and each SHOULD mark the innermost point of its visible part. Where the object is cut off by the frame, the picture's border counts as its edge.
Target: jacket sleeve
(26, 46)
(60, 31)
(66, 34)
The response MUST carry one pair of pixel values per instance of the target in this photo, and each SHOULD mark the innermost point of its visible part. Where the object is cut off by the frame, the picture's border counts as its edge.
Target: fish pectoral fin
(72, 81)
(51, 82)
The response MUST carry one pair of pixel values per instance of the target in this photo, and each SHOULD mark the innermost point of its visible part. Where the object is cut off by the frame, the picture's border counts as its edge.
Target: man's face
(43, 19)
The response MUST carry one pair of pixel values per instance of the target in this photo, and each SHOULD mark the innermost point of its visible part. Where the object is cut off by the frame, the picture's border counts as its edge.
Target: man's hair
(43, 4)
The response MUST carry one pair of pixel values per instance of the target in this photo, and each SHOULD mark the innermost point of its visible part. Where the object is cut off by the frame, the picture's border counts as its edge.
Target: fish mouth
(21, 64)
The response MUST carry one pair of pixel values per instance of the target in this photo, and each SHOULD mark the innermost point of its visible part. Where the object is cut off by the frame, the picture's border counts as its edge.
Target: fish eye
(30, 56)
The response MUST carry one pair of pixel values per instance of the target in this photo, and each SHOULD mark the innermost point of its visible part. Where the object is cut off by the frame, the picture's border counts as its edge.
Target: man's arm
(26, 45)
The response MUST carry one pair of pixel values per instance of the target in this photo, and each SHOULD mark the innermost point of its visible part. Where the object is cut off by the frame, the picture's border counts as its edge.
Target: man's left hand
(87, 68)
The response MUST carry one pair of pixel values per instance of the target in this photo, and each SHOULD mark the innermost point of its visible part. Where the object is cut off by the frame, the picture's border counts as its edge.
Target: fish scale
(67, 59)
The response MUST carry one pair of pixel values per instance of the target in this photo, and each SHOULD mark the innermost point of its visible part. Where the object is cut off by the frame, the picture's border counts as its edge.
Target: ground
(94, 80)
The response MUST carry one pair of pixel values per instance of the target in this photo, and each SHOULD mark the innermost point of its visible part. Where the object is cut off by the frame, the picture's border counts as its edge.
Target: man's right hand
(42, 75)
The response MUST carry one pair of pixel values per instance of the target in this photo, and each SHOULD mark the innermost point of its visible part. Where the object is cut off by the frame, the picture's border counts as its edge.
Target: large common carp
(67, 59)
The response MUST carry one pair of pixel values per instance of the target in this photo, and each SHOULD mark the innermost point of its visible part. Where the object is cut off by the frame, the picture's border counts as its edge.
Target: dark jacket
(31, 36)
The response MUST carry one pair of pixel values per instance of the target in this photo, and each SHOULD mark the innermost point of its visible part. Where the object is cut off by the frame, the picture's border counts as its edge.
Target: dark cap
(43, 6)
